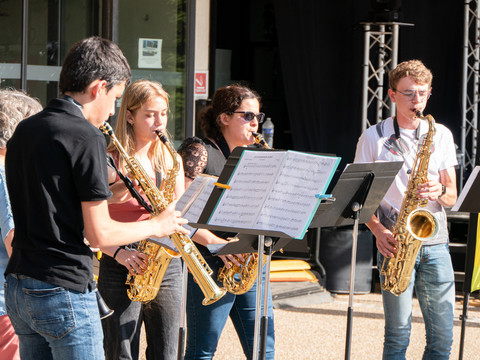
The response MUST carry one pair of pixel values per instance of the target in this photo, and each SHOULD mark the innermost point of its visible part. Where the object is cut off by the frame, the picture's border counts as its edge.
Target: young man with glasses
(397, 139)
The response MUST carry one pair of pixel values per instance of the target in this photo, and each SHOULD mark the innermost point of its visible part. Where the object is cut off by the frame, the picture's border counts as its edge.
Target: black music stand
(468, 202)
(357, 194)
(265, 238)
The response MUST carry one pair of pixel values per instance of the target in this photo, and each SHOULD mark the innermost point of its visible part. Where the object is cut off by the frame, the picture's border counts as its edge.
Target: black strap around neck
(397, 129)
(129, 185)
(220, 144)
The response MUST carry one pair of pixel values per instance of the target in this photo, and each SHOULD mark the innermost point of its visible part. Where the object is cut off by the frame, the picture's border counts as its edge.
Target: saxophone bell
(422, 225)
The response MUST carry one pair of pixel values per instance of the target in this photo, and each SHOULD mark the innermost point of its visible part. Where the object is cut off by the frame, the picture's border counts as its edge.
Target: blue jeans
(433, 281)
(161, 315)
(205, 323)
(53, 322)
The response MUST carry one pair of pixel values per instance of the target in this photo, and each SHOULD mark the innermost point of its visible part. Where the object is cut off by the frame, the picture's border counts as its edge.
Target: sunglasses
(249, 116)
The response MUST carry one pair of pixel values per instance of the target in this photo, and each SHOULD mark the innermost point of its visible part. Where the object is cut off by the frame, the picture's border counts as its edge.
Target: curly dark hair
(226, 100)
(92, 59)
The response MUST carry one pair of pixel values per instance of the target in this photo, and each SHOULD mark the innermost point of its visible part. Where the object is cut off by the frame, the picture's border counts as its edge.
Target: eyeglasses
(249, 115)
(410, 94)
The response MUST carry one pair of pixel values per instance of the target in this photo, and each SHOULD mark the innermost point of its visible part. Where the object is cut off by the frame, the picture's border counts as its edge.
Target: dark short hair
(226, 100)
(93, 59)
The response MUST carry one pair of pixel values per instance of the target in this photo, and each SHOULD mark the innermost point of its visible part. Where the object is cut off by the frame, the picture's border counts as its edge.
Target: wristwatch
(444, 190)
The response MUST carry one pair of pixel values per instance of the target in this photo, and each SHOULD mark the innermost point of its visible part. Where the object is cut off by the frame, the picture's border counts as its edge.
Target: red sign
(201, 83)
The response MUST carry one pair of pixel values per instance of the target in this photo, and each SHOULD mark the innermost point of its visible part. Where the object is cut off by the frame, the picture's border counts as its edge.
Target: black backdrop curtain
(321, 52)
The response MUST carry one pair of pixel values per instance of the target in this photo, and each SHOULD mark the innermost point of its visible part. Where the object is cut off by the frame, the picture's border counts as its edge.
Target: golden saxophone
(240, 279)
(414, 225)
(145, 287)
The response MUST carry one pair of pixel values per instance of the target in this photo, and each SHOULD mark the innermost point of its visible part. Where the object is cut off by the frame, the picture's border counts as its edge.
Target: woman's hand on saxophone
(205, 237)
(232, 260)
(385, 240)
(136, 262)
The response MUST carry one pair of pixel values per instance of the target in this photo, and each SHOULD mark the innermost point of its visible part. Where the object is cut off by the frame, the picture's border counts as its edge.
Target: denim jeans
(433, 281)
(53, 322)
(161, 315)
(205, 323)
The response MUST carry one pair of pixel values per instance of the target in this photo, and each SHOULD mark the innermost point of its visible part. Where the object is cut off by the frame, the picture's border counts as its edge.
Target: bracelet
(116, 252)
(444, 190)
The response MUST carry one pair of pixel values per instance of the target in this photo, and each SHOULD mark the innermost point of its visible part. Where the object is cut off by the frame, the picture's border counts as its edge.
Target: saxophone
(145, 287)
(240, 279)
(414, 225)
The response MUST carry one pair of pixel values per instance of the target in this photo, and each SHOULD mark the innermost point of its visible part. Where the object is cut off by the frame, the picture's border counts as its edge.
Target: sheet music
(165, 241)
(274, 191)
(191, 204)
(302, 177)
(193, 200)
(250, 183)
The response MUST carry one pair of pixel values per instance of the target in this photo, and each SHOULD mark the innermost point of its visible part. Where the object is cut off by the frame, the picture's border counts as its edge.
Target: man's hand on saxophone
(168, 222)
(385, 240)
(444, 191)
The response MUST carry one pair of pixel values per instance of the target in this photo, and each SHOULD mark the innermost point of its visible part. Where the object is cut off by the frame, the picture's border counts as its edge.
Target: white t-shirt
(372, 147)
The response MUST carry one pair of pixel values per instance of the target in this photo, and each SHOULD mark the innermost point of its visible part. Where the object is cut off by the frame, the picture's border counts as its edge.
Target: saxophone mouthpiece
(419, 114)
(162, 136)
(260, 140)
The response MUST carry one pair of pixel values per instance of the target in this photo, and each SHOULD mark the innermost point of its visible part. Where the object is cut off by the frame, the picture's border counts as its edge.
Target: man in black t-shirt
(57, 181)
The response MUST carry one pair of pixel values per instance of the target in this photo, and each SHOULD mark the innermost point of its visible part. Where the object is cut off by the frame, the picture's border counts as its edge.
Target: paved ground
(314, 327)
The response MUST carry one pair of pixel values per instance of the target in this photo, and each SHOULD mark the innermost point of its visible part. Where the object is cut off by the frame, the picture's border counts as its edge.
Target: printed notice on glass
(274, 191)
(149, 53)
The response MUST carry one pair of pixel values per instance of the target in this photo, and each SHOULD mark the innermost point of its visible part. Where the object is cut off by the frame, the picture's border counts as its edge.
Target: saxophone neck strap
(397, 129)
(128, 183)
(220, 144)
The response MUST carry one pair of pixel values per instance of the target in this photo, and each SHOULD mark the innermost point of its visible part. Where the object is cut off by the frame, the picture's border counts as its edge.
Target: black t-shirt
(55, 160)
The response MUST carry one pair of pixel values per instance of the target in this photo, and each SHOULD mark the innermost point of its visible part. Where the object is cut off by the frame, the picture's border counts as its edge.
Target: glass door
(151, 34)
(53, 26)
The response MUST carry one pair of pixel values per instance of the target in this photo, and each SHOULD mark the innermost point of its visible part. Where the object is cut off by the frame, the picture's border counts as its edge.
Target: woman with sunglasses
(227, 123)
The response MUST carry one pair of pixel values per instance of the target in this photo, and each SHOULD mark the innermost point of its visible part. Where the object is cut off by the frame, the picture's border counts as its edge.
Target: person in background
(227, 123)
(143, 111)
(14, 107)
(397, 139)
(57, 180)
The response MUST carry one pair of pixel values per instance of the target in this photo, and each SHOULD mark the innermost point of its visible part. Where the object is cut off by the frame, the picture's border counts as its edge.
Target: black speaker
(385, 10)
(336, 256)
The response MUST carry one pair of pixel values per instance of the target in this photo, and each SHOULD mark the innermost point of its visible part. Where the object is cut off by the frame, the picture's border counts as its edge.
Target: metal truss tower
(380, 56)
(470, 91)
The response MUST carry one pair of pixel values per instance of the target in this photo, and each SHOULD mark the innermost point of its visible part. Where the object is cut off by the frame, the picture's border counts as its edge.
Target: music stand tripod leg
(356, 208)
(261, 242)
(264, 323)
(183, 327)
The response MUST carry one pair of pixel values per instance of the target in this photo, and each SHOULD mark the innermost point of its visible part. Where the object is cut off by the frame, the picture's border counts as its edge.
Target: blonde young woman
(143, 111)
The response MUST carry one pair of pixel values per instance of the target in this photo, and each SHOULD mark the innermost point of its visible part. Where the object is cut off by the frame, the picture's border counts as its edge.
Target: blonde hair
(137, 94)
(411, 68)
(14, 106)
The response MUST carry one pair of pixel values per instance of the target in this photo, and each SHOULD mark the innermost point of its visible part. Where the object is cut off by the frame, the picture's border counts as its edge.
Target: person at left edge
(14, 106)
(58, 184)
